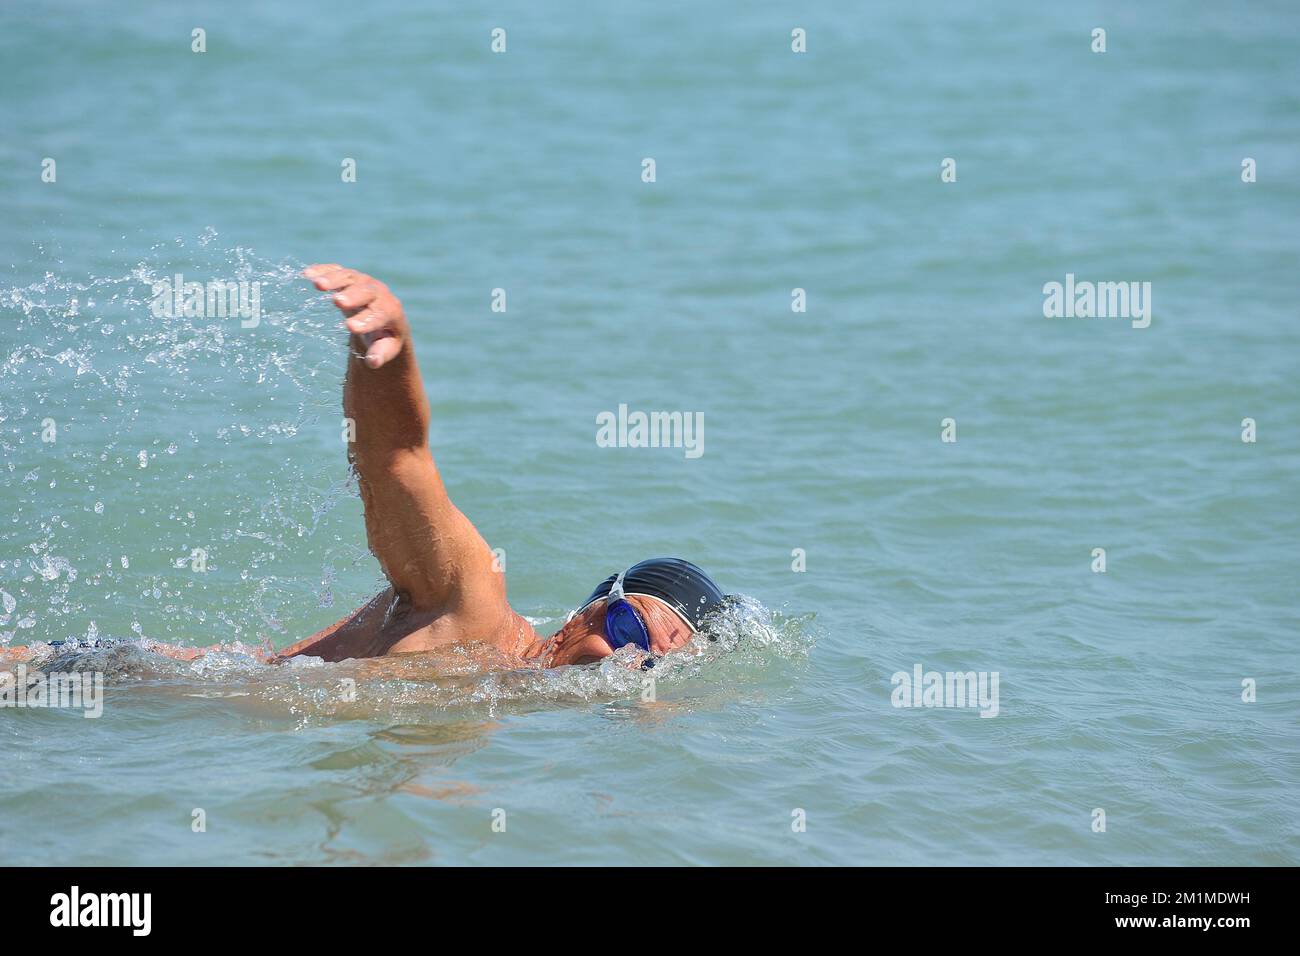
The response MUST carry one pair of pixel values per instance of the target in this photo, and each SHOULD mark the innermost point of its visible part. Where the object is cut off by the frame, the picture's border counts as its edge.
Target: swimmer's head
(656, 606)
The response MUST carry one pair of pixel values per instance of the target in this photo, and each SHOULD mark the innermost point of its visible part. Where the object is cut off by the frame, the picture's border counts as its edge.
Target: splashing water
(150, 468)
(131, 521)
(733, 650)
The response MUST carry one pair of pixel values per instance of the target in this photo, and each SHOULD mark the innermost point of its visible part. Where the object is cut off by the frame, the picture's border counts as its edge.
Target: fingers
(370, 319)
(340, 279)
(382, 349)
(358, 295)
(373, 313)
(352, 289)
(331, 277)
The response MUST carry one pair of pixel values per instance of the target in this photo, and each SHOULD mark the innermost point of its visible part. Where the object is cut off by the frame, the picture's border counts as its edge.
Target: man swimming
(444, 586)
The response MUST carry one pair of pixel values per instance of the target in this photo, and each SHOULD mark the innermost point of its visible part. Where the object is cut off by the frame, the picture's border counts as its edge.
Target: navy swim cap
(679, 584)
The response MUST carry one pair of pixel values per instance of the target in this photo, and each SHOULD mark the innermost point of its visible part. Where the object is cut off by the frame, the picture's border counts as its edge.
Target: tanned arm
(445, 584)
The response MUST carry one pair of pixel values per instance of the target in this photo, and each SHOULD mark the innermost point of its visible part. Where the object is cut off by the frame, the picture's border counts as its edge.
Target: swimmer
(444, 586)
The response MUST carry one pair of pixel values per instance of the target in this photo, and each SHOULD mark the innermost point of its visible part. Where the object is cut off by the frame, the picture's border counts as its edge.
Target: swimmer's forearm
(387, 407)
(18, 655)
(356, 635)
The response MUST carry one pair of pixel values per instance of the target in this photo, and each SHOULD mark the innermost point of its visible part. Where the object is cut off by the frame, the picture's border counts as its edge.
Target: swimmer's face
(582, 640)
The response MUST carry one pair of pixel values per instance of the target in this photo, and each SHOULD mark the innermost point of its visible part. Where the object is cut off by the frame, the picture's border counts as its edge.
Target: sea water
(838, 270)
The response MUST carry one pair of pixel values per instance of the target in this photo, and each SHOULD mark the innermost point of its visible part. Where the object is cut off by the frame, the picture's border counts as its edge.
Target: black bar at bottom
(333, 906)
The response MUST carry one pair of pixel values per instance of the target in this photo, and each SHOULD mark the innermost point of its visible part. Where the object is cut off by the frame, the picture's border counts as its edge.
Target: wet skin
(444, 587)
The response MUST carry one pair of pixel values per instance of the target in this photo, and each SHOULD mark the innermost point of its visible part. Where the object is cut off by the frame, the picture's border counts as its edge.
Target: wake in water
(740, 644)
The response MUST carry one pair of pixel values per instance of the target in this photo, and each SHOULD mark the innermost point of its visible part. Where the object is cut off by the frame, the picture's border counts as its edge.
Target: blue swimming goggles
(623, 624)
(679, 585)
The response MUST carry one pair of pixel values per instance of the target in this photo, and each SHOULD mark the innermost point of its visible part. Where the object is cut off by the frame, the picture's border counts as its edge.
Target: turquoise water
(1119, 691)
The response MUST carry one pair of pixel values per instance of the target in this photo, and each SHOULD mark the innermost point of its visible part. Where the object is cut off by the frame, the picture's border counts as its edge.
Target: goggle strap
(616, 589)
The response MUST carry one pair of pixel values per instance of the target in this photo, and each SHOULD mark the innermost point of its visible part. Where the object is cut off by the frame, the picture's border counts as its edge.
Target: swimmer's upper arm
(429, 550)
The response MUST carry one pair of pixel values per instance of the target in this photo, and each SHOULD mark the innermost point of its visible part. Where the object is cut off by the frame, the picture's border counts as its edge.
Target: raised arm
(434, 557)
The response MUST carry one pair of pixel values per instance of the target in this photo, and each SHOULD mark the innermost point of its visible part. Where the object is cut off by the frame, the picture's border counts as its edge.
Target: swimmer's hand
(373, 314)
